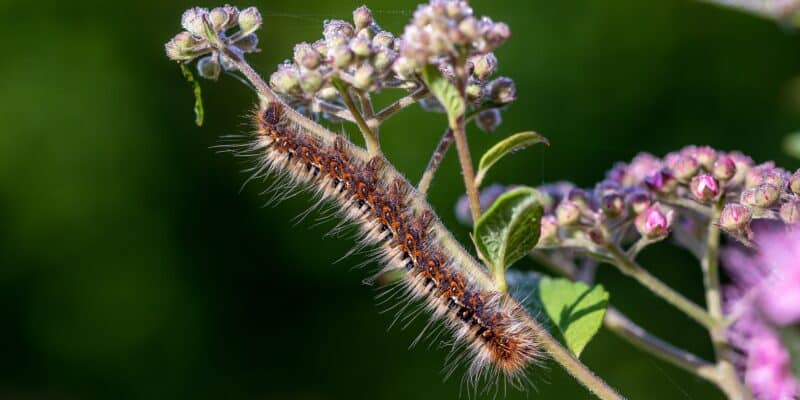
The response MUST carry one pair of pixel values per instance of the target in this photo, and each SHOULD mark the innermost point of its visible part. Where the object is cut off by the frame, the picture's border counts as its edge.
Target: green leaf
(575, 309)
(509, 229)
(511, 144)
(445, 92)
(198, 94)
(791, 144)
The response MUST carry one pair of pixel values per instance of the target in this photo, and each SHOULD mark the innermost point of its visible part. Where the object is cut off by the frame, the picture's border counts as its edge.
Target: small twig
(399, 105)
(435, 161)
(462, 147)
(371, 140)
(629, 267)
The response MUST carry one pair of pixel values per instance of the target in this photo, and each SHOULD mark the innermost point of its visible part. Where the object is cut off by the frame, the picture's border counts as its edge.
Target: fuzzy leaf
(509, 229)
(511, 144)
(198, 94)
(576, 310)
(445, 92)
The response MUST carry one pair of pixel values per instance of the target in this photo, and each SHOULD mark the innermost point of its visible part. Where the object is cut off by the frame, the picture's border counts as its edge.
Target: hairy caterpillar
(499, 335)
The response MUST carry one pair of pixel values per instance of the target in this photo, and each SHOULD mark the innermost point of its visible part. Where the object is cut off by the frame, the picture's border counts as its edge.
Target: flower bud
(639, 201)
(548, 230)
(193, 21)
(218, 18)
(248, 44)
(743, 165)
(774, 177)
(755, 175)
(794, 182)
(228, 64)
(233, 17)
(310, 81)
(724, 168)
(306, 56)
(706, 156)
(405, 67)
(473, 91)
(497, 34)
(249, 20)
(578, 197)
(208, 67)
(704, 188)
(489, 120)
(654, 223)
(469, 27)
(502, 90)
(612, 204)
(341, 57)
(598, 235)
(662, 181)
(790, 212)
(361, 47)
(328, 93)
(286, 79)
(383, 39)
(766, 195)
(337, 28)
(383, 59)
(484, 65)
(362, 79)
(362, 17)
(321, 47)
(181, 47)
(685, 168)
(568, 213)
(735, 217)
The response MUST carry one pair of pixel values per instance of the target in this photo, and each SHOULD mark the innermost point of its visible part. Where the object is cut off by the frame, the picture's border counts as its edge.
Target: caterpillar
(498, 335)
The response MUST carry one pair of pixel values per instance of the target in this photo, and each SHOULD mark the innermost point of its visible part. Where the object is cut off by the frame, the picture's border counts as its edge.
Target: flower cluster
(677, 193)
(445, 33)
(764, 296)
(205, 32)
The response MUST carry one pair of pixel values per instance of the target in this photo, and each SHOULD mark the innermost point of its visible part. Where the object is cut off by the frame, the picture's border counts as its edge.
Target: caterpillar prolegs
(497, 335)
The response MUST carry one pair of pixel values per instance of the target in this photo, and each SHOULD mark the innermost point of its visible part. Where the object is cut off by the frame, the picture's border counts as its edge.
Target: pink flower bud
(685, 168)
(766, 195)
(654, 223)
(790, 212)
(249, 20)
(794, 182)
(362, 17)
(568, 213)
(724, 168)
(548, 230)
(193, 21)
(639, 201)
(662, 181)
(704, 187)
(612, 204)
(735, 217)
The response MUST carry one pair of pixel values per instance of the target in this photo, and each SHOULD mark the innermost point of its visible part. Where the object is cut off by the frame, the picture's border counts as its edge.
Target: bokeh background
(133, 267)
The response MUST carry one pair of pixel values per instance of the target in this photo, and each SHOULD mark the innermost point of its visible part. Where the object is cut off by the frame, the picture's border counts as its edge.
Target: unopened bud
(489, 120)
(473, 91)
(383, 39)
(306, 56)
(249, 20)
(233, 16)
(286, 79)
(248, 44)
(790, 212)
(661, 181)
(774, 177)
(181, 47)
(361, 47)
(704, 188)
(724, 168)
(362, 79)
(794, 182)
(383, 59)
(193, 21)
(336, 27)
(685, 168)
(484, 65)
(598, 235)
(766, 195)
(502, 90)
(568, 213)
(362, 17)
(735, 217)
(654, 223)
(470, 28)
(548, 230)
(705, 156)
(341, 56)
(328, 93)
(405, 67)
(218, 18)
(578, 197)
(310, 81)
(208, 67)
(497, 34)
(612, 204)
(639, 201)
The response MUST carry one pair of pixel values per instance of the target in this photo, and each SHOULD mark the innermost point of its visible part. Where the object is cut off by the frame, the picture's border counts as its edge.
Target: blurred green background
(132, 267)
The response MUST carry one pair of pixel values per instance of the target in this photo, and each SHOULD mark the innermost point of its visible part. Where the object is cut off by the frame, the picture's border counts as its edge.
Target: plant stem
(370, 139)
(462, 147)
(435, 161)
(400, 104)
(629, 267)
(730, 381)
(577, 369)
(617, 322)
